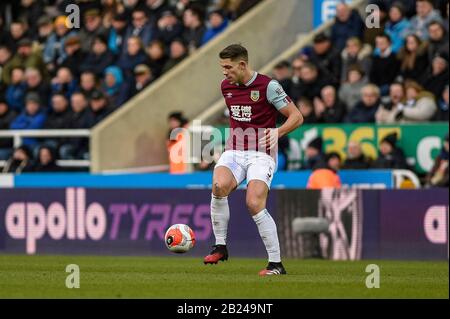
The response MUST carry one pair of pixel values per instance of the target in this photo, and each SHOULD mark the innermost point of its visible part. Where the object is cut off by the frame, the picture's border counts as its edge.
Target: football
(179, 238)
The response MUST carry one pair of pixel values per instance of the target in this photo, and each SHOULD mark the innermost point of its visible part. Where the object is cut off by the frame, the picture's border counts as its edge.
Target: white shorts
(250, 165)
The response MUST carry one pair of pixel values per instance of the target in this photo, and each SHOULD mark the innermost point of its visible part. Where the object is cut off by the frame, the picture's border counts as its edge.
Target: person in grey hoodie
(350, 91)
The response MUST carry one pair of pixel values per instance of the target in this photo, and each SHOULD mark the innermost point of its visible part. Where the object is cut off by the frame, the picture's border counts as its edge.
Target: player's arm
(294, 119)
(280, 100)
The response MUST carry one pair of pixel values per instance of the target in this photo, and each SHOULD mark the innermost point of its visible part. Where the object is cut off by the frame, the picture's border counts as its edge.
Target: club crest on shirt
(254, 95)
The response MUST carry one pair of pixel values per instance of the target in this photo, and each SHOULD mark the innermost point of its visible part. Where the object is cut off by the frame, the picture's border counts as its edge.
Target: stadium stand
(344, 73)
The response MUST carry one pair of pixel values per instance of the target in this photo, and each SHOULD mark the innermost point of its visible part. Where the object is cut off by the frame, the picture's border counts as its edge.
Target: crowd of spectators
(397, 73)
(54, 75)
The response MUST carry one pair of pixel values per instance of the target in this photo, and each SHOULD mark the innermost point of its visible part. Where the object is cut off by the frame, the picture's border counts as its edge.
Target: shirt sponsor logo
(241, 113)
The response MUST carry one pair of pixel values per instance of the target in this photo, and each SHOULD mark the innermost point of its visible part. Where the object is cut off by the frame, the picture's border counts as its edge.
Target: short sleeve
(276, 95)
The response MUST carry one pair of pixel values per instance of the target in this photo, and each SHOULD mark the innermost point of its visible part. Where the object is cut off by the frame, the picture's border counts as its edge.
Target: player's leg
(259, 176)
(224, 182)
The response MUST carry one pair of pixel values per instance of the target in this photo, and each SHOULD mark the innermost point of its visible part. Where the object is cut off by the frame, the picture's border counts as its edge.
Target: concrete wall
(134, 136)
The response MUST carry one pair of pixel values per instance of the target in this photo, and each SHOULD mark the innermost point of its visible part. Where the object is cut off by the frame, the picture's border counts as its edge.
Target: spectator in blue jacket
(15, 92)
(117, 32)
(348, 24)
(114, 86)
(54, 53)
(31, 118)
(397, 26)
(217, 23)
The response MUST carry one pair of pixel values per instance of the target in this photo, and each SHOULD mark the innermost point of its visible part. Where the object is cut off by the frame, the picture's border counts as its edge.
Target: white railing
(19, 135)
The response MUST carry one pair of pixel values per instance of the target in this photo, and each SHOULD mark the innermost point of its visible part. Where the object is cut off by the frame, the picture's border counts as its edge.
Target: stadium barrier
(363, 224)
(370, 179)
(18, 135)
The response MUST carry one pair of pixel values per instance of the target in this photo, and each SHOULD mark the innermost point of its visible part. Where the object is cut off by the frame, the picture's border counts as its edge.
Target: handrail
(64, 163)
(17, 135)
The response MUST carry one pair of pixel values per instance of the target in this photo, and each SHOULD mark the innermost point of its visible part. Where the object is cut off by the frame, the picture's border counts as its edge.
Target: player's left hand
(270, 138)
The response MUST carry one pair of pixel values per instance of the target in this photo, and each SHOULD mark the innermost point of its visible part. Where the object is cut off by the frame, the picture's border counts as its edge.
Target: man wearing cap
(24, 58)
(117, 33)
(74, 55)
(168, 27)
(31, 118)
(45, 29)
(99, 106)
(142, 78)
(313, 154)
(91, 29)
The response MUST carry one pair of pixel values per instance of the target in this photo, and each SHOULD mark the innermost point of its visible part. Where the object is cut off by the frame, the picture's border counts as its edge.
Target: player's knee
(255, 205)
(220, 190)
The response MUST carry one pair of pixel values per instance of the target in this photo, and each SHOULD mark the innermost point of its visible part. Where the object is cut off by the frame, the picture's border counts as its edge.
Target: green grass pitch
(187, 277)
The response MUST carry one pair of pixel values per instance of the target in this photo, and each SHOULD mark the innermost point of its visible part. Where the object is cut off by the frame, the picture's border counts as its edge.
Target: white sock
(220, 215)
(268, 232)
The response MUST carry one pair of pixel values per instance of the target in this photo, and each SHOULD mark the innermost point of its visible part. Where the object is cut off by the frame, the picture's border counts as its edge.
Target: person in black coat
(365, 110)
(328, 108)
(81, 118)
(194, 26)
(99, 106)
(385, 66)
(46, 161)
(355, 157)
(413, 58)
(348, 24)
(325, 56)
(310, 84)
(59, 118)
(7, 115)
(314, 155)
(437, 75)
(20, 162)
(75, 55)
(390, 155)
(98, 58)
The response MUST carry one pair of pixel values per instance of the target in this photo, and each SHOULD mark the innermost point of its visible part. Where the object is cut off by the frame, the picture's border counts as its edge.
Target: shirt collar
(255, 74)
